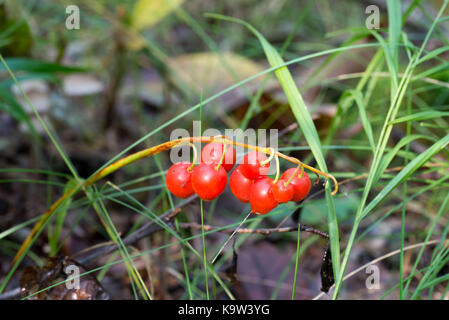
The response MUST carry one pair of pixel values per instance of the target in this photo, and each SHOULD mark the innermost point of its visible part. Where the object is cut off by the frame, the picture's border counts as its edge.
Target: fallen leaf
(81, 85)
(147, 13)
(210, 71)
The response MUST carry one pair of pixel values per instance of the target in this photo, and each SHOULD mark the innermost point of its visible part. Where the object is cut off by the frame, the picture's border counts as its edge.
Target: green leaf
(32, 65)
(7, 83)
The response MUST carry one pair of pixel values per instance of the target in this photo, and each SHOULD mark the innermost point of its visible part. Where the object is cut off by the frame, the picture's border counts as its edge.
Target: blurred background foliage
(134, 65)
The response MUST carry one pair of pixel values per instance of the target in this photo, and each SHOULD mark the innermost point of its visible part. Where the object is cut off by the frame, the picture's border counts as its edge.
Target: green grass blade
(425, 115)
(433, 54)
(386, 160)
(104, 216)
(358, 97)
(296, 263)
(414, 165)
(204, 249)
(396, 101)
(394, 29)
(59, 223)
(44, 125)
(32, 65)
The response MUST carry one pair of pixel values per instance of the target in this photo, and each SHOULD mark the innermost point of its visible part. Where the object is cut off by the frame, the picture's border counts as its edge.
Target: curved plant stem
(223, 155)
(195, 152)
(278, 170)
(294, 174)
(130, 159)
(272, 154)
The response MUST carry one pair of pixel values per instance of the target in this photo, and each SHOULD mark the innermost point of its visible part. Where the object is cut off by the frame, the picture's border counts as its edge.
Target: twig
(262, 231)
(11, 294)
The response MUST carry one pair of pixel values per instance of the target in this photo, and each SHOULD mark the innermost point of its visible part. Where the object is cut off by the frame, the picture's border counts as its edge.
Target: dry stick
(11, 294)
(262, 231)
(132, 158)
(151, 227)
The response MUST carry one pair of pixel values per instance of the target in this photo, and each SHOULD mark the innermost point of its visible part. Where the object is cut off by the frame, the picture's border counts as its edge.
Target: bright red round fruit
(178, 180)
(251, 167)
(301, 185)
(212, 153)
(240, 185)
(207, 182)
(261, 196)
(283, 193)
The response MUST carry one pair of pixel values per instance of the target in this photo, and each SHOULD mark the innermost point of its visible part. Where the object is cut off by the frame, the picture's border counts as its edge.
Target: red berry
(261, 196)
(240, 185)
(212, 153)
(207, 182)
(178, 180)
(283, 193)
(301, 185)
(251, 167)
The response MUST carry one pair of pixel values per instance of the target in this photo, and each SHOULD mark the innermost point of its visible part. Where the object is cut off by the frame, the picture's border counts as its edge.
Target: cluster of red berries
(248, 182)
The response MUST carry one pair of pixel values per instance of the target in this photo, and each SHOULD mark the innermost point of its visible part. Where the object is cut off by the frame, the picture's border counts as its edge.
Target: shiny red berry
(282, 192)
(261, 196)
(251, 167)
(301, 185)
(178, 180)
(207, 182)
(212, 153)
(240, 185)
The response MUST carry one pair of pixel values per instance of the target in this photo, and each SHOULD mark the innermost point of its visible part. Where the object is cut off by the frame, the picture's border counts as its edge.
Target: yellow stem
(278, 170)
(195, 153)
(222, 157)
(272, 153)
